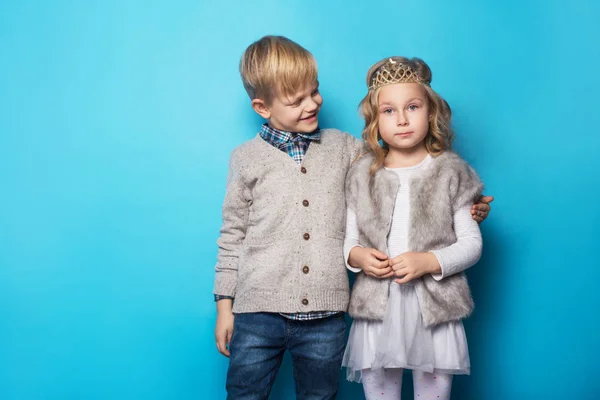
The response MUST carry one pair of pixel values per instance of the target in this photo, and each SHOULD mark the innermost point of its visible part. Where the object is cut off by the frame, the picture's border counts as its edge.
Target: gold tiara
(395, 72)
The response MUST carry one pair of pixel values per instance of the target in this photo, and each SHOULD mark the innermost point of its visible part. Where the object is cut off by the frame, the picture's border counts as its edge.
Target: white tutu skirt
(402, 341)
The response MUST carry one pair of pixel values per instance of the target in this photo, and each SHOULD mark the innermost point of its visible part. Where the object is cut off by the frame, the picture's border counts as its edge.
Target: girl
(409, 236)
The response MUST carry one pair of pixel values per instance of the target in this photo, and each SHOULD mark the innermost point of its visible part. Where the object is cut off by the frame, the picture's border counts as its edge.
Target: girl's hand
(481, 210)
(413, 265)
(224, 326)
(373, 262)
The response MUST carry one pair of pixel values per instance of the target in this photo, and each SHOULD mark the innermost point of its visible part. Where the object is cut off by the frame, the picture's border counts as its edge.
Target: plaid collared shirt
(296, 145)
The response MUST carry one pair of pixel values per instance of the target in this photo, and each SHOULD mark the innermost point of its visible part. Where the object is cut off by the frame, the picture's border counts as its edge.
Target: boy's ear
(261, 108)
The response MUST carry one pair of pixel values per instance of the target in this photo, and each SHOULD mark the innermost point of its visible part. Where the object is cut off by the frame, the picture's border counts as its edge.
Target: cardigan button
(305, 269)
(305, 203)
(303, 170)
(305, 302)
(306, 236)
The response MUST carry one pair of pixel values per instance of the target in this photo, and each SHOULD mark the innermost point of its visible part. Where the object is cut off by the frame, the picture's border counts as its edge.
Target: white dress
(401, 340)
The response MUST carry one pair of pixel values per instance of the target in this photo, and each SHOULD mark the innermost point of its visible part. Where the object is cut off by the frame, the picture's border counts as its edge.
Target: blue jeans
(257, 346)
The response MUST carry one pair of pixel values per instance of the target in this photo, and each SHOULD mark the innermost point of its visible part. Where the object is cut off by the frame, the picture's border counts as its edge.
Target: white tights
(426, 386)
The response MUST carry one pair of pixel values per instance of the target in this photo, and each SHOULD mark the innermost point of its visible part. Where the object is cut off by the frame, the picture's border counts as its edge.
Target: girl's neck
(402, 158)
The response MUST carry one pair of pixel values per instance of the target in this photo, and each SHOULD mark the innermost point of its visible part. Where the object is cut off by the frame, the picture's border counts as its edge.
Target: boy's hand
(224, 326)
(373, 262)
(480, 210)
(413, 265)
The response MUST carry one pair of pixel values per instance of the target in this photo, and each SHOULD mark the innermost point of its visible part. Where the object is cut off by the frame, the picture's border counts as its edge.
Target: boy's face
(297, 113)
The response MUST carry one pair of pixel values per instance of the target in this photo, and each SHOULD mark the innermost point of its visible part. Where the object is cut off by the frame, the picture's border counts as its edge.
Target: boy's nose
(312, 105)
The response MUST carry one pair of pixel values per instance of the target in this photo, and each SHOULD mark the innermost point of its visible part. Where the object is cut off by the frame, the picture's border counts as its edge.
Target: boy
(280, 250)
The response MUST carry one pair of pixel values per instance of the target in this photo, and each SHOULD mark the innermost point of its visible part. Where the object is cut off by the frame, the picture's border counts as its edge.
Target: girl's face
(403, 116)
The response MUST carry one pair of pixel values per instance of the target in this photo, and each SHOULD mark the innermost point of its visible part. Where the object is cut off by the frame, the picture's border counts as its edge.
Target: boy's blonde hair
(440, 135)
(276, 66)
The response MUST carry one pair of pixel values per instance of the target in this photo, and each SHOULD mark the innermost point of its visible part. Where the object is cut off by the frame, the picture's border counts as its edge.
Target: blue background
(116, 123)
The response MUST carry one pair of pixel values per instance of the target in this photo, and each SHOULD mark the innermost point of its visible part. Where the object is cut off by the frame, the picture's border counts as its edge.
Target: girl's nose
(402, 120)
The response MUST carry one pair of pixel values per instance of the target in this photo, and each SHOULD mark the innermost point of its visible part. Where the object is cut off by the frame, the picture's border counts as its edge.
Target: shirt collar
(277, 136)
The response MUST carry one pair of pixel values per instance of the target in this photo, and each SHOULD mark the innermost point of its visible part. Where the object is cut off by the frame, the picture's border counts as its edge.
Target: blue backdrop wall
(116, 123)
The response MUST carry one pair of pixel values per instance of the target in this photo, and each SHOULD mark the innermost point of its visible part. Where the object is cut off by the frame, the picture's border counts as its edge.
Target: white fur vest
(445, 185)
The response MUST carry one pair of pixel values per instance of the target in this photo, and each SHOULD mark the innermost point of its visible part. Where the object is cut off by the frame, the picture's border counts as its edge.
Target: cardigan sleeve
(355, 147)
(236, 208)
(353, 178)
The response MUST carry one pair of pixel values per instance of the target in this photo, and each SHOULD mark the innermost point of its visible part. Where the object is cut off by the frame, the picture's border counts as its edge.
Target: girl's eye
(297, 103)
(387, 111)
(315, 92)
(413, 107)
